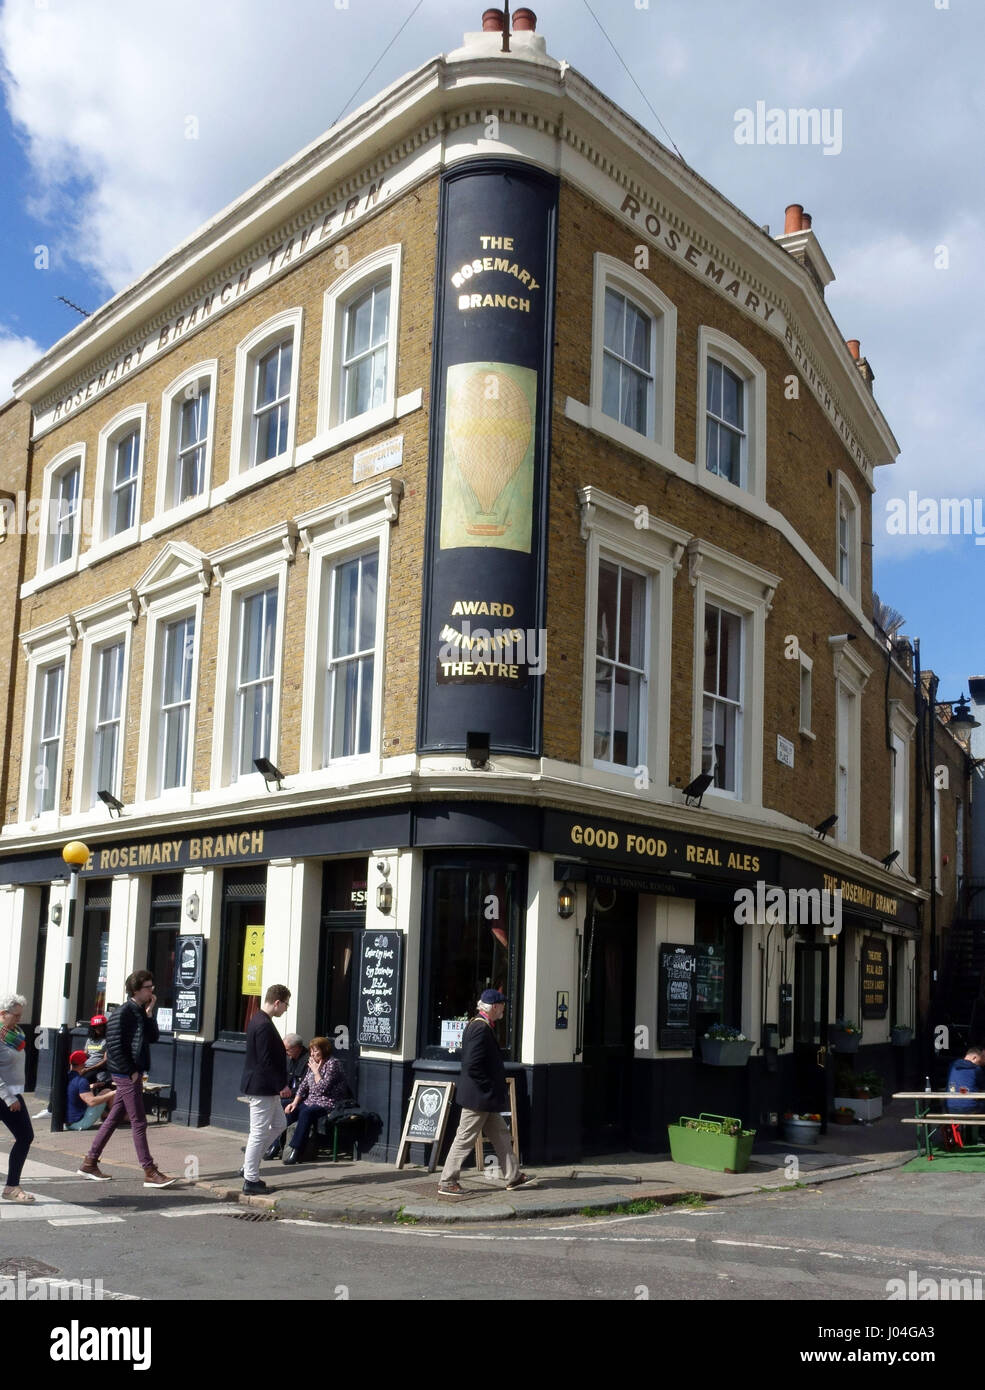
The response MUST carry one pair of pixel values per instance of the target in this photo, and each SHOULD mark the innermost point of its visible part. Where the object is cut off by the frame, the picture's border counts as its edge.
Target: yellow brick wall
(15, 432)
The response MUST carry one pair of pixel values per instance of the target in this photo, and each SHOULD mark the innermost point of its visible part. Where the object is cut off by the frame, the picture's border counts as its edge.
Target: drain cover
(31, 1269)
(253, 1216)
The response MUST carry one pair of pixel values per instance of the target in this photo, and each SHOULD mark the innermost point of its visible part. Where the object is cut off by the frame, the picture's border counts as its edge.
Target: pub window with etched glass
(718, 968)
(722, 709)
(473, 914)
(620, 666)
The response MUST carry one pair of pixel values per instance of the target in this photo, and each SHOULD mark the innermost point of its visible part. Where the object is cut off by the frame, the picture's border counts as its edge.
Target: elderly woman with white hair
(13, 1111)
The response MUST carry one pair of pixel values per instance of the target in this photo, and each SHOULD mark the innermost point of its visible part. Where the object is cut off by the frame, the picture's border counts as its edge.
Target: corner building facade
(486, 477)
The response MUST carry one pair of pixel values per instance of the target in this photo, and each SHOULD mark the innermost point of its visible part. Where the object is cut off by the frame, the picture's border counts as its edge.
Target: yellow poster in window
(252, 960)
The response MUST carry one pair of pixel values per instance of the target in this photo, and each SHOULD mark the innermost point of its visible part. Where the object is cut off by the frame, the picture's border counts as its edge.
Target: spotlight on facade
(192, 906)
(890, 859)
(477, 749)
(566, 901)
(384, 892)
(828, 824)
(56, 913)
(695, 790)
(111, 802)
(268, 772)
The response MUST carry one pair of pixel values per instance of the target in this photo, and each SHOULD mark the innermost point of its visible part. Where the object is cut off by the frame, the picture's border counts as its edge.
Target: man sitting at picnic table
(968, 1074)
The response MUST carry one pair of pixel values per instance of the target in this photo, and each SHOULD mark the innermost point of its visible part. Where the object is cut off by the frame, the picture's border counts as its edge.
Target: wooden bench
(928, 1120)
(159, 1097)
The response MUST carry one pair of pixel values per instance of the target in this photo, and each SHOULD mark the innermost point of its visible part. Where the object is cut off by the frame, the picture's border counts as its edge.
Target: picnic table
(927, 1121)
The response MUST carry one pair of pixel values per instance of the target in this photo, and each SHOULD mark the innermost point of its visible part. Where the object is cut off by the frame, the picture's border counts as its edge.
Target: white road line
(87, 1221)
(206, 1210)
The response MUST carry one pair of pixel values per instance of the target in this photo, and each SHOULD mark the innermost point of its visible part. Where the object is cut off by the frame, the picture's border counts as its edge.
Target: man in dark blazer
(482, 1095)
(264, 1083)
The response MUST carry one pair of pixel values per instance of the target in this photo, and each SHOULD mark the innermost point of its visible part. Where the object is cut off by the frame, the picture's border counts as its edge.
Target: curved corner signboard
(483, 629)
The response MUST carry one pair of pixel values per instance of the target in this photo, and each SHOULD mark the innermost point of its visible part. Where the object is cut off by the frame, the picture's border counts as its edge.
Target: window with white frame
(62, 532)
(119, 475)
(634, 349)
(358, 373)
(366, 350)
(265, 399)
(620, 666)
(732, 599)
(722, 726)
(900, 770)
(187, 439)
(350, 672)
(254, 693)
(847, 770)
(806, 668)
(348, 545)
(848, 539)
(107, 724)
(630, 570)
(851, 673)
(731, 442)
(177, 665)
(49, 724)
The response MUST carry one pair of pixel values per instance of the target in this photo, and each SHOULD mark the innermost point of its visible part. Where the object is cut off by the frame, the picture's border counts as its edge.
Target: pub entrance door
(810, 1034)
(608, 1012)
(338, 986)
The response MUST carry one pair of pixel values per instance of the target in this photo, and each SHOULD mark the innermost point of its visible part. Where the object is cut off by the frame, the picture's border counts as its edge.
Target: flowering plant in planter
(722, 1046)
(844, 1035)
(844, 1115)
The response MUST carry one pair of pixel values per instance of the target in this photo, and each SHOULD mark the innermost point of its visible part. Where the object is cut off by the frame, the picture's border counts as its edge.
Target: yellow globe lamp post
(76, 856)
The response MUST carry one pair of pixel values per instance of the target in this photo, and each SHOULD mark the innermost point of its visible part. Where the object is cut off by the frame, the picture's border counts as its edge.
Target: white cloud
(16, 355)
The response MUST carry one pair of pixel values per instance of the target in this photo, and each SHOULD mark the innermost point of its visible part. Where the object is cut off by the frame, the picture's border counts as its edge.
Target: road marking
(210, 1209)
(86, 1221)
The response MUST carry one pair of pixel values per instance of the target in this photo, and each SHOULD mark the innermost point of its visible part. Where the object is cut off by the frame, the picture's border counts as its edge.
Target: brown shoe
(89, 1168)
(153, 1178)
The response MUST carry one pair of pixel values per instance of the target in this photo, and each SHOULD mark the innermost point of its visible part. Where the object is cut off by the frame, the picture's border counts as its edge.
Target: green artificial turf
(968, 1160)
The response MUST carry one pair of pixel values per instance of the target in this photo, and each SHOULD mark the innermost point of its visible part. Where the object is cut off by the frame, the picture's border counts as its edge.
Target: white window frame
(242, 472)
(64, 460)
(102, 625)
(722, 348)
(740, 587)
(332, 428)
(805, 670)
(44, 648)
(132, 417)
(244, 569)
(330, 535)
(902, 725)
(172, 588)
(610, 273)
(166, 511)
(615, 531)
(845, 492)
(851, 673)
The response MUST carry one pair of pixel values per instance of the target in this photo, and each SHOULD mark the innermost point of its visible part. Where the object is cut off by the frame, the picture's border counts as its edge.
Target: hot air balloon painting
(487, 480)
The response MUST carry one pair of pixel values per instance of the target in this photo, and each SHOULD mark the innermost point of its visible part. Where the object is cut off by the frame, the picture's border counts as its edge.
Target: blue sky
(96, 165)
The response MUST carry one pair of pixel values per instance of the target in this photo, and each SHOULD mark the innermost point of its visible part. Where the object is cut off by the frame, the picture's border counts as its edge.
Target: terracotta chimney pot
(524, 21)
(492, 21)
(805, 222)
(854, 347)
(794, 218)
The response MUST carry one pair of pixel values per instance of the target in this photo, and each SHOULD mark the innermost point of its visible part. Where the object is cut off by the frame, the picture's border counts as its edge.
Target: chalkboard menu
(189, 973)
(675, 1006)
(380, 957)
(427, 1115)
(875, 977)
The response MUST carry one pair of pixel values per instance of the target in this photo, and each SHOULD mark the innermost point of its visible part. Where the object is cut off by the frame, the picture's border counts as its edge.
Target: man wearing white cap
(482, 1095)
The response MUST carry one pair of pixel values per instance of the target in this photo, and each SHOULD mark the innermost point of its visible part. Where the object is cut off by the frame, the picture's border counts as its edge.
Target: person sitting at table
(322, 1088)
(84, 1109)
(968, 1074)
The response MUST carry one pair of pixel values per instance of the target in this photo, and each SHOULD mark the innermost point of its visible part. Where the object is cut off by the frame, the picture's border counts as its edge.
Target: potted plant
(844, 1036)
(711, 1141)
(843, 1115)
(901, 1035)
(801, 1129)
(862, 1094)
(725, 1047)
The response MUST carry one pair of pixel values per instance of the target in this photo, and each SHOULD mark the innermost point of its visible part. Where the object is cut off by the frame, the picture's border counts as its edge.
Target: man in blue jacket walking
(482, 1095)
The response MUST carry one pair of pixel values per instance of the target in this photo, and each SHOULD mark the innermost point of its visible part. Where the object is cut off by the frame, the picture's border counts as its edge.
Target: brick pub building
(487, 477)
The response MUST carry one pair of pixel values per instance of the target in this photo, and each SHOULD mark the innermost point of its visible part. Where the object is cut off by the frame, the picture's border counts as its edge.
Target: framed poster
(676, 999)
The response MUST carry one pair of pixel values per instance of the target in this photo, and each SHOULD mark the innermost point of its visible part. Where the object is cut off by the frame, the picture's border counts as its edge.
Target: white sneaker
(42, 1114)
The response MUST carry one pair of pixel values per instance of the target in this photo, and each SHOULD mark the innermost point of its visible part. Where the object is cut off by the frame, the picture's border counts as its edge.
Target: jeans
(267, 1123)
(305, 1115)
(19, 1124)
(129, 1101)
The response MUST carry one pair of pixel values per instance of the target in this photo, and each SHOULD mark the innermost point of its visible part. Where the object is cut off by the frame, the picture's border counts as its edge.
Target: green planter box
(721, 1152)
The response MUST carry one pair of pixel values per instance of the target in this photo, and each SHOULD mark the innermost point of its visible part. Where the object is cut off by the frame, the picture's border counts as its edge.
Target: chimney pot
(492, 21)
(794, 218)
(524, 21)
(854, 347)
(805, 222)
